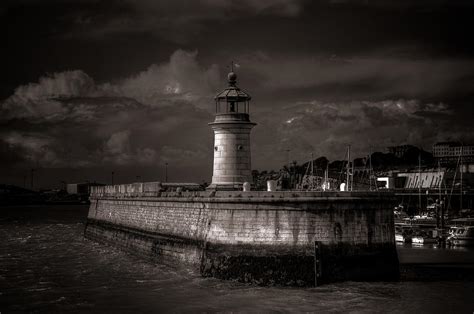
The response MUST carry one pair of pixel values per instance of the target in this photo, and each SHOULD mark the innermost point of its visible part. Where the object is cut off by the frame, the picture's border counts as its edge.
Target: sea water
(46, 265)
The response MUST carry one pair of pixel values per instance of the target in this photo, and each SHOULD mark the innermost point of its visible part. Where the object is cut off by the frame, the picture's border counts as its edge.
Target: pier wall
(264, 237)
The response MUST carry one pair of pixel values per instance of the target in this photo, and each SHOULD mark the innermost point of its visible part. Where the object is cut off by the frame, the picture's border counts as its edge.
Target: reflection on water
(46, 265)
(433, 253)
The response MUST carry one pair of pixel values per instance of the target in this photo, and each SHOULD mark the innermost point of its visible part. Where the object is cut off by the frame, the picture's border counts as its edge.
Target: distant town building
(451, 152)
(399, 150)
(80, 188)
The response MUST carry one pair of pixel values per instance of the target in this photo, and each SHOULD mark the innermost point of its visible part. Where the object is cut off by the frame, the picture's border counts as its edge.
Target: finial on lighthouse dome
(232, 78)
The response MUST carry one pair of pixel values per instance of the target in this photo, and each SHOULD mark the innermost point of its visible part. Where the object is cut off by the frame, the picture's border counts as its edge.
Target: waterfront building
(426, 179)
(81, 188)
(452, 152)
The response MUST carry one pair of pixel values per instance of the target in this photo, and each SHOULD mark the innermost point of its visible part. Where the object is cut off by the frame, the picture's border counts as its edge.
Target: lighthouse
(232, 126)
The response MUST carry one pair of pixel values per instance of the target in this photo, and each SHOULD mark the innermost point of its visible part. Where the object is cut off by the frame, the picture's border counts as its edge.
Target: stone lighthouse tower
(232, 160)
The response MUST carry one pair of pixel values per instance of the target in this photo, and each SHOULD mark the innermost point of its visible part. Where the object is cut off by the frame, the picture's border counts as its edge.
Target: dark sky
(90, 87)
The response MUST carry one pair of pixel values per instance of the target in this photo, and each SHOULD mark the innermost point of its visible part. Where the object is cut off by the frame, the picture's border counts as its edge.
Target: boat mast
(440, 180)
(439, 210)
(448, 206)
(308, 177)
(312, 173)
(326, 176)
(461, 170)
(348, 167)
(370, 170)
(352, 176)
(419, 181)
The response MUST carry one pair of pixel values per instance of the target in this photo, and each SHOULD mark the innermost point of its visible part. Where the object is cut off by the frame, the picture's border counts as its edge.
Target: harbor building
(448, 153)
(426, 179)
(81, 188)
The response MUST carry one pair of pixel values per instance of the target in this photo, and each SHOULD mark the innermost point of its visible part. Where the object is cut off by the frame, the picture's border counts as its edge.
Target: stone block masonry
(232, 156)
(262, 237)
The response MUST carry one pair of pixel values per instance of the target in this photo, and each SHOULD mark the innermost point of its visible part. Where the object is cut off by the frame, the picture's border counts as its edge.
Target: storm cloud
(69, 120)
(128, 85)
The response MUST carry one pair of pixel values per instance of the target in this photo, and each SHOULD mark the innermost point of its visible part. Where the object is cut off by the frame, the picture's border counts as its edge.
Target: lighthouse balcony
(232, 116)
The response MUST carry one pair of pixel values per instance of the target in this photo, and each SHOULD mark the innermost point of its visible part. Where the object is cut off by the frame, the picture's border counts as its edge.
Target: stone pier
(259, 237)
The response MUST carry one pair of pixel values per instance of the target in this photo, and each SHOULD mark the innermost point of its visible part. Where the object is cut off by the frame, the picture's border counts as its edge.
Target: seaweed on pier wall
(287, 270)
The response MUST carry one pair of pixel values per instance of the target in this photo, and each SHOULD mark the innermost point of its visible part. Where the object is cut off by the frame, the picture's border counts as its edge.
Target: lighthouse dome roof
(232, 93)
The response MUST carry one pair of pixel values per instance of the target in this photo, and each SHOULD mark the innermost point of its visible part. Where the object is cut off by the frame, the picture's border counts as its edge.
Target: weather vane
(232, 64)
